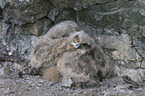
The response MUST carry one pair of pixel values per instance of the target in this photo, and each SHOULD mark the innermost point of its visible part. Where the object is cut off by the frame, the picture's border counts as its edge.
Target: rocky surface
(117, 25)
(36, 86)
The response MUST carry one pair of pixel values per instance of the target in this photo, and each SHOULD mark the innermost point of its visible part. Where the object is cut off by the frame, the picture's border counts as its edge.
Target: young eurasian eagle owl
(69, 53)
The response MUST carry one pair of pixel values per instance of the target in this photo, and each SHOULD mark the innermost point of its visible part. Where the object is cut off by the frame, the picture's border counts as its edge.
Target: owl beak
(76, 45)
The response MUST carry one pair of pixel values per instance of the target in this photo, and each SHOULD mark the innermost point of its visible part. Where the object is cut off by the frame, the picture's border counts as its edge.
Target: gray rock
(112, 15)
(122, 47)
(142, 6)
(15, 40)
(3, 29)
(21, 12)
(2, 3)
(58, 14)
(1, 71)
(77, 4)
(54, 13)
(1, 13)
(135, 74)
(142, 29)
(66, 14)
(38, 28)
(141, 50)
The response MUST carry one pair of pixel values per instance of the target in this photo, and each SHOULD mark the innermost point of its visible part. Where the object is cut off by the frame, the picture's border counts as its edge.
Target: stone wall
(117, 25)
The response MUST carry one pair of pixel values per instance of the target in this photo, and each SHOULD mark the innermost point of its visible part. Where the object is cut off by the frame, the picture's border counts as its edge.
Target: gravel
(37, 86)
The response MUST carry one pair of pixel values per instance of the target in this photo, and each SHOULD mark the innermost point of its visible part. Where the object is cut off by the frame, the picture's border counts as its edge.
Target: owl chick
(71, 54)
(85, 62)
(55, 38)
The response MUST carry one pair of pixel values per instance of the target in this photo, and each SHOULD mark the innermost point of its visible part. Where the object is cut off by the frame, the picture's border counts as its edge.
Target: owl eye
(78, 40)
(85, 45)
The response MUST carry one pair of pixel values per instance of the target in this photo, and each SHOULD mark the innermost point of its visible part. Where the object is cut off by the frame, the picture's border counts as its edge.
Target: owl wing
(104, 62)
(62, 29)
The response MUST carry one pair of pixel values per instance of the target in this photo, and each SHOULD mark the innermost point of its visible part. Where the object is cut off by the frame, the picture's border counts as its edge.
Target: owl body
(45, 53)
(77, 66)
(71, 54)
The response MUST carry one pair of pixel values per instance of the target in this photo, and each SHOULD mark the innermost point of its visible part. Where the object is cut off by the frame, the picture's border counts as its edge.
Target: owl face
(81, 40)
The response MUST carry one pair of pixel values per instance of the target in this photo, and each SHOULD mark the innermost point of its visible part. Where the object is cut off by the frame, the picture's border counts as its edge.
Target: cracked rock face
(76, 4)
(21, 12)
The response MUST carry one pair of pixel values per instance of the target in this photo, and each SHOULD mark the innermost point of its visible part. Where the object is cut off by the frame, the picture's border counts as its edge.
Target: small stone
(10, 53)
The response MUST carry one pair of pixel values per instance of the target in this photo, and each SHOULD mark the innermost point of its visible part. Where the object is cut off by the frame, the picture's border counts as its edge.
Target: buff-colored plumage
(69, 53)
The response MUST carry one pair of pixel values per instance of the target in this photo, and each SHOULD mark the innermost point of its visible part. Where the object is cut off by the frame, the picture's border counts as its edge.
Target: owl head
(81, 40)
